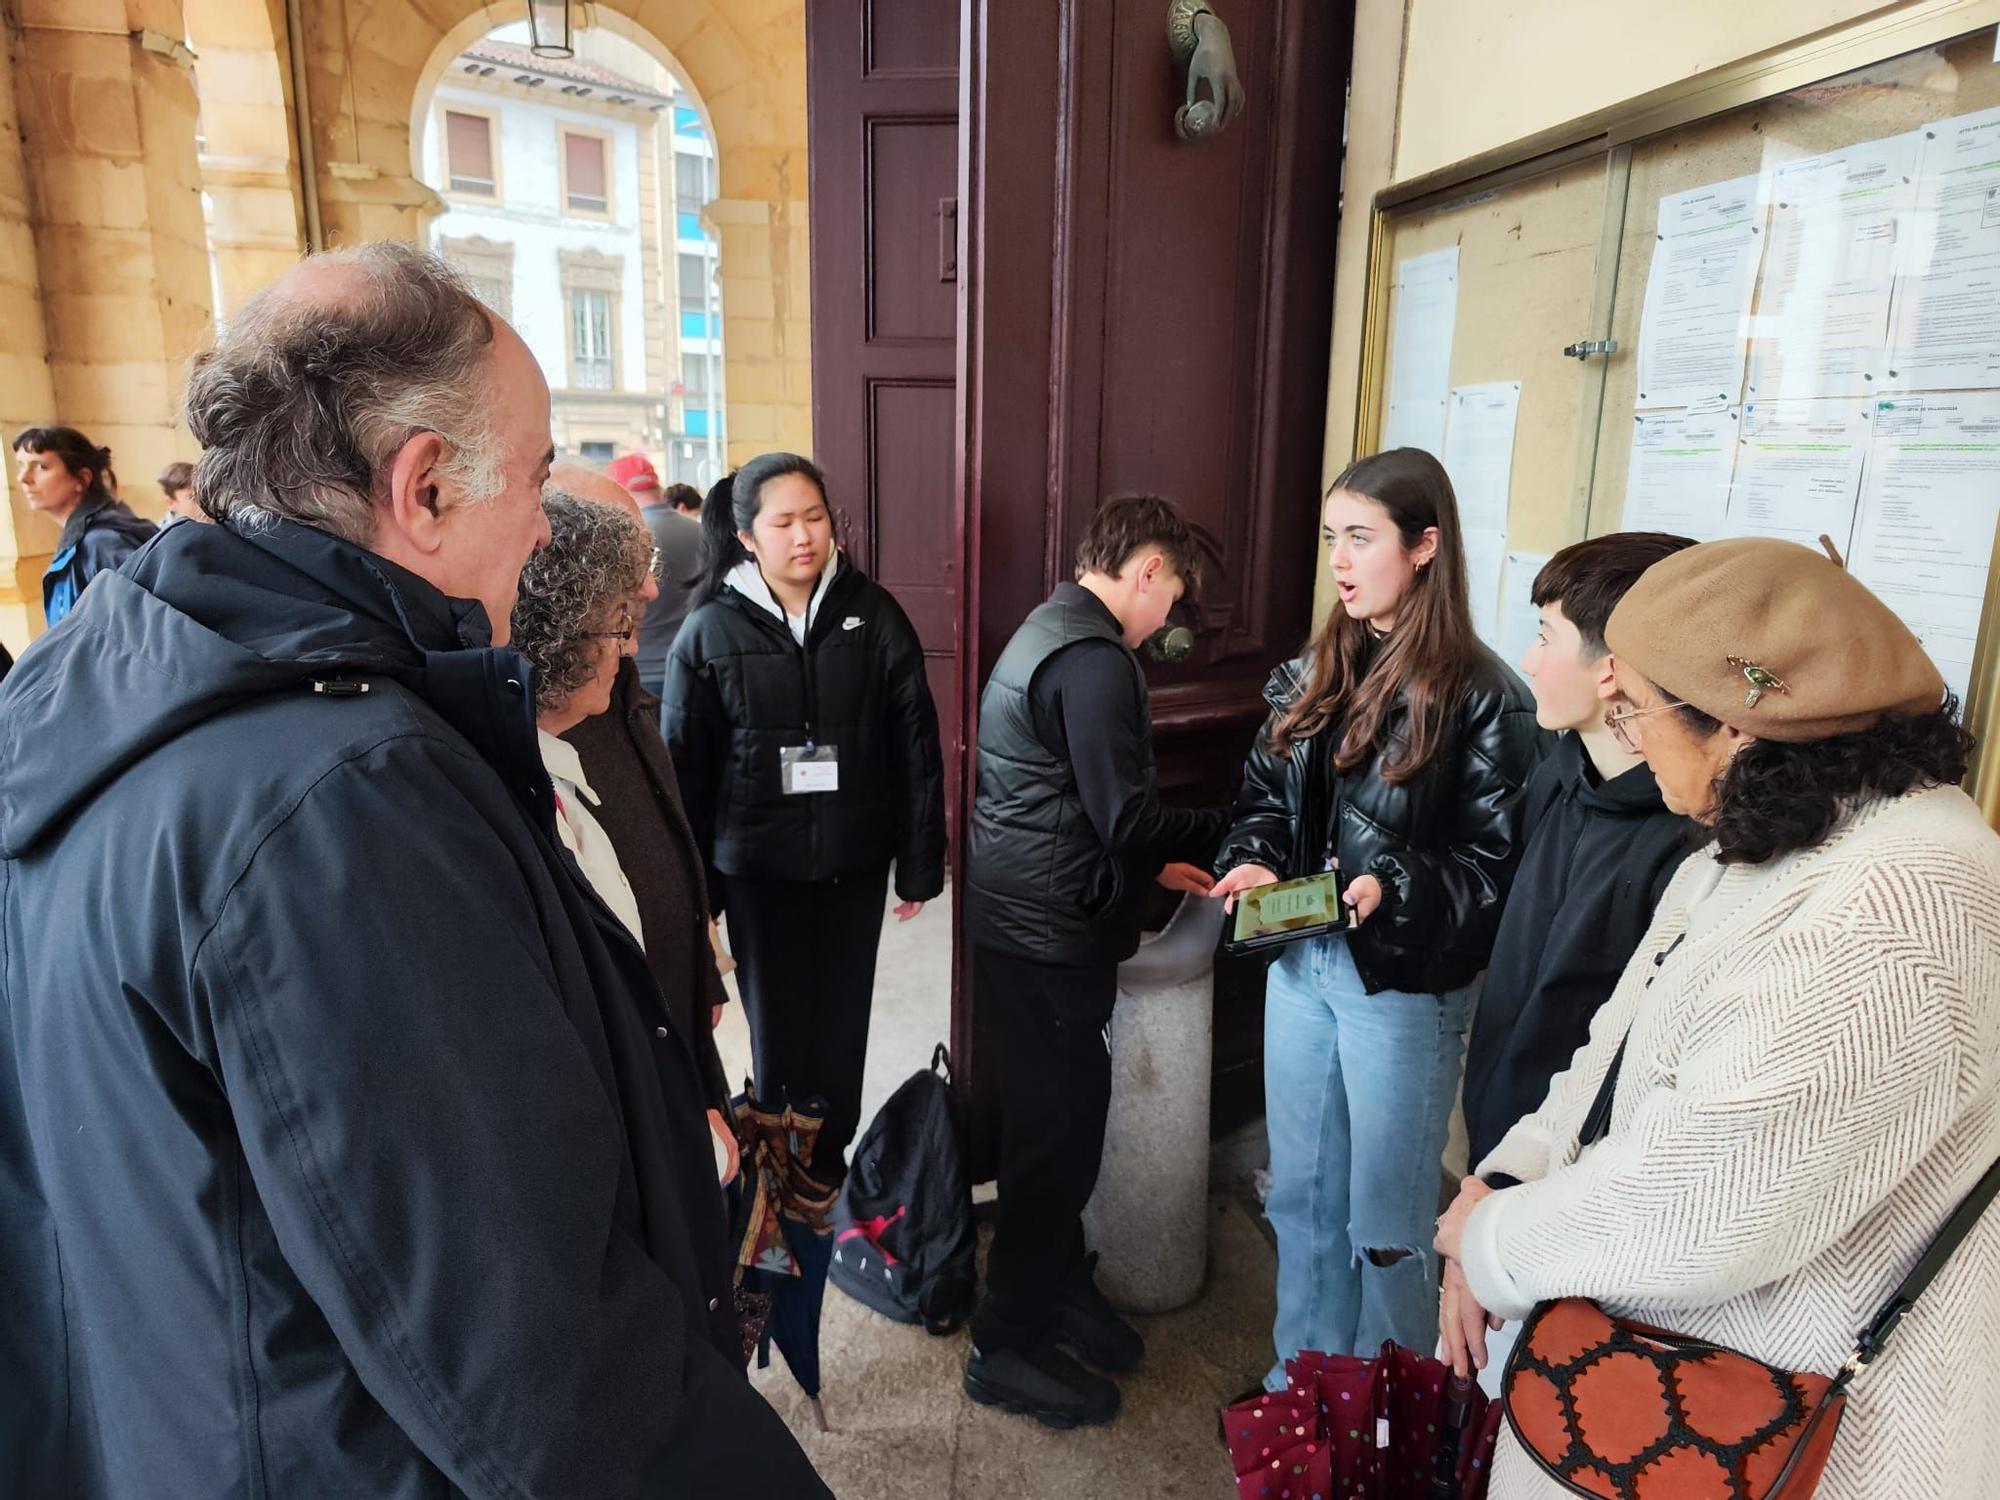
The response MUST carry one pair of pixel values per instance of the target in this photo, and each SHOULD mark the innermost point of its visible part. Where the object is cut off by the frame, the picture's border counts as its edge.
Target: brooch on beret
(1761, 681)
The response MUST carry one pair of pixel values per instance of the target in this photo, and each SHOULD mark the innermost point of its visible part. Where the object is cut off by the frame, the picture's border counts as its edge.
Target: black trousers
(805, 955)
(1055, 1090)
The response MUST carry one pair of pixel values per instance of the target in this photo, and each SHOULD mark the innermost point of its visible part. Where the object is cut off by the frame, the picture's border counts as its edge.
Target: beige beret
(1772, 638)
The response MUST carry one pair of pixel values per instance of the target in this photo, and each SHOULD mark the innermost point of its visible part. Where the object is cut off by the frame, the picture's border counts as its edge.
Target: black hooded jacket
(345, 1146)
(741, 691)
(1443, 844)
(1597, 855)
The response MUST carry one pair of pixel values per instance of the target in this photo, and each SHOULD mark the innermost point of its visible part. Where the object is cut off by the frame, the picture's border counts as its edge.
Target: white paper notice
(1829, 270)
(1925, 535)
(1520, 620)
(1485, 557)
(1420, 351)
(1479, 451)
(1798, 470)
(1924, 539)
(1945, 329)
(1679, 479)
(1694, 331)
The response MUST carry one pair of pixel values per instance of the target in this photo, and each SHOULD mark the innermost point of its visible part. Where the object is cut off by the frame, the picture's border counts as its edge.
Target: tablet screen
(1289, 906)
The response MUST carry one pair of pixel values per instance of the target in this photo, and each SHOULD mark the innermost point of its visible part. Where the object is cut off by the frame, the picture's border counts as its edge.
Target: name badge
(809, 768)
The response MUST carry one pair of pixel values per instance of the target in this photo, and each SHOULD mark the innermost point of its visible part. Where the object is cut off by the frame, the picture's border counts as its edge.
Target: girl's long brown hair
(1426, 660)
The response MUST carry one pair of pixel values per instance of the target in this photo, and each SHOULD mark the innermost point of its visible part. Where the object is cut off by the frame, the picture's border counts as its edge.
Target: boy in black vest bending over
(1068, 833)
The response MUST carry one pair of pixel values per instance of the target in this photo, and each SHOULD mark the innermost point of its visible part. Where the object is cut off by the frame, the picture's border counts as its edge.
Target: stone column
(106, 101)
(1148, 1220)
(27, 394)
(249, 158)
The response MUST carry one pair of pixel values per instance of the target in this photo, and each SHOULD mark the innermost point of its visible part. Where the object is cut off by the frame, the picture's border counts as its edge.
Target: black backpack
(902, 1230)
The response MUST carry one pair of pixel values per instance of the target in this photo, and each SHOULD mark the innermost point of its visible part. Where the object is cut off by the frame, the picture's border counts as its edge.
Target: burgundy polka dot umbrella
(1398, 1426)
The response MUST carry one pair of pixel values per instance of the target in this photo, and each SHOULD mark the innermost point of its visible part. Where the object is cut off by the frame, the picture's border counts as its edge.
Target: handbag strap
(1879, 1331)
(1875, 1337)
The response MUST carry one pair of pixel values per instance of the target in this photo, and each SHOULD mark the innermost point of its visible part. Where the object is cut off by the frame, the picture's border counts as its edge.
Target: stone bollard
(1148, 1220)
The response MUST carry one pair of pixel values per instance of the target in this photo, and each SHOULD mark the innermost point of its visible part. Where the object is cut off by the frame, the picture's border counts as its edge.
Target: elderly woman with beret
(1807, 1042)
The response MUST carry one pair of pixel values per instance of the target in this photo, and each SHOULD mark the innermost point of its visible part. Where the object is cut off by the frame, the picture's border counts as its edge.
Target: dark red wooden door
(1144, 314)
(882, 95)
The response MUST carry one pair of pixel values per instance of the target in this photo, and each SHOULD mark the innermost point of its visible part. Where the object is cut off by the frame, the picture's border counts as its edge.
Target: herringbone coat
(1812, 1084)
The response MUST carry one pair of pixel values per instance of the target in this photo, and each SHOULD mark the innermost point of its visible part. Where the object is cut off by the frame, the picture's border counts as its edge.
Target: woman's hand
(1451, 1228)
(1242, 878)
(728, 1138)
(1462, 1322)
(908, 910)
(1184, 877)
(1363, 896)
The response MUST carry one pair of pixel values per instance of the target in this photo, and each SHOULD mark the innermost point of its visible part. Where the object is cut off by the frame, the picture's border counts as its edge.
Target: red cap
(635, 471)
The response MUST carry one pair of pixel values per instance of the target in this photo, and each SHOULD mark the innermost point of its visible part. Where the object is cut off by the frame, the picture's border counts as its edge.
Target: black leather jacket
(1444, 844)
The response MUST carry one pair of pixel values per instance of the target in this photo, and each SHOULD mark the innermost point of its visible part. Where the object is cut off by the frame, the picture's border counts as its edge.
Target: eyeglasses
(1616, 722)
(629, 631)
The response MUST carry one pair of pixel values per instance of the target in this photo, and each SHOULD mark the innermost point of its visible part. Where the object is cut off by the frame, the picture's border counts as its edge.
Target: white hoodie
(748, 580)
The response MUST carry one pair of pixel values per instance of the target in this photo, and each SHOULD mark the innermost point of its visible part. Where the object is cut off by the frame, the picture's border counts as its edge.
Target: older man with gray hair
(343, 1148)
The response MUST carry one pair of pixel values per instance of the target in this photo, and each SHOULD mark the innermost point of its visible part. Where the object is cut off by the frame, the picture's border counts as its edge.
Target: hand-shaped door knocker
(1200, 43)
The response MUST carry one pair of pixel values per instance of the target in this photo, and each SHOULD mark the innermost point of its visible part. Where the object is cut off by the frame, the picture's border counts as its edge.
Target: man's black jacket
(1444, 843)
(345, 1148)
(1597, 857)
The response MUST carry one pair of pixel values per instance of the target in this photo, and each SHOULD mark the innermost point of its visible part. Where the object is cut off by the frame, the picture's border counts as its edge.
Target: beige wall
(1439, 81)
(1481, 73)
(104, 145)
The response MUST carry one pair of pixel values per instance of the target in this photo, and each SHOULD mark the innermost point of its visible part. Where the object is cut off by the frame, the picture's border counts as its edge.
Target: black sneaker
(1091, 1325)
(1045, 1384)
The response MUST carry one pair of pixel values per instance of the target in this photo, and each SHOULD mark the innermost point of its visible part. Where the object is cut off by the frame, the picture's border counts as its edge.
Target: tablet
(1267, 915)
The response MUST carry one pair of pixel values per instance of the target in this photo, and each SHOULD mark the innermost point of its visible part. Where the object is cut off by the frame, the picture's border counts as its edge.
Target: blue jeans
(1358, 1090)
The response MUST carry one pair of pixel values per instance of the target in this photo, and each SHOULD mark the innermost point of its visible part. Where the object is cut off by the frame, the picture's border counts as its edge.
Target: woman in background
(68, 478)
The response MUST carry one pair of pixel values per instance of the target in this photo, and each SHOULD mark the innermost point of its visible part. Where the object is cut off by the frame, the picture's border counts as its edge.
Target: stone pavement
(902, 1429)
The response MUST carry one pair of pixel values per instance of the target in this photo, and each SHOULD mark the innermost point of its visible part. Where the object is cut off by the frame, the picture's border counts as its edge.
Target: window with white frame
(586, 174)
(590, 340)
(468, 154)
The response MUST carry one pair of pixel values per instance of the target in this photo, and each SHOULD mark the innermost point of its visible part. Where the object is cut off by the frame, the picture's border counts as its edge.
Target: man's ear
(415, 509)
(1149, 570)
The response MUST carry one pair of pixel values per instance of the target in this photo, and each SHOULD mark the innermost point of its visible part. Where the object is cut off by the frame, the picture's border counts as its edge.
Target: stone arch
(743, 59)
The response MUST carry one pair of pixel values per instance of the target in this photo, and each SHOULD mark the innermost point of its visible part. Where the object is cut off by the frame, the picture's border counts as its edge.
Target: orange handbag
(1624, 1411)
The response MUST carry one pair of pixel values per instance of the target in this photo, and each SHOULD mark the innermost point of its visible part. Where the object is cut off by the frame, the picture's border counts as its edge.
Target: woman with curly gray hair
(576, 616)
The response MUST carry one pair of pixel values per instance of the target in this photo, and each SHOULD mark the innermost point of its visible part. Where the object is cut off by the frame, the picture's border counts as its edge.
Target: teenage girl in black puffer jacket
(1399, 745)
(806, 745)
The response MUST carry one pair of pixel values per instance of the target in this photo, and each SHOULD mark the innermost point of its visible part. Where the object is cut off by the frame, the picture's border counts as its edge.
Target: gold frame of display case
(1608, 136)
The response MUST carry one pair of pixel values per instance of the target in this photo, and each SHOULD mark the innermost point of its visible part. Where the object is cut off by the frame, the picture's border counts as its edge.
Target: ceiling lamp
(549, 29)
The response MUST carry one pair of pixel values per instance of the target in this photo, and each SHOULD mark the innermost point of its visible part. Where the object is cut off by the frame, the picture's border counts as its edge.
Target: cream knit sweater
(1812, 1084)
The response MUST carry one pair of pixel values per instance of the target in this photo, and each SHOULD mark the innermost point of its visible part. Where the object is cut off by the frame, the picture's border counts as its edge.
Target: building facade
(573, 196)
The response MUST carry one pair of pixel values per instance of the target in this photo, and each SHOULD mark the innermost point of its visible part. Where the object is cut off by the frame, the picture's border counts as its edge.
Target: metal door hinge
(1584, 348)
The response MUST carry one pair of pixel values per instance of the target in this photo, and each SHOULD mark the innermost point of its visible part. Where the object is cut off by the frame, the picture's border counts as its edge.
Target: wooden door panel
(912, 286)
(1146, 314)
(882, 94)
(912, 38)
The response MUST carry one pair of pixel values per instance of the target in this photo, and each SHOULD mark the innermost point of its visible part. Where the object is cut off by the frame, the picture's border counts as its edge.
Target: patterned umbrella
(1398, 1426)
(788, 1242)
